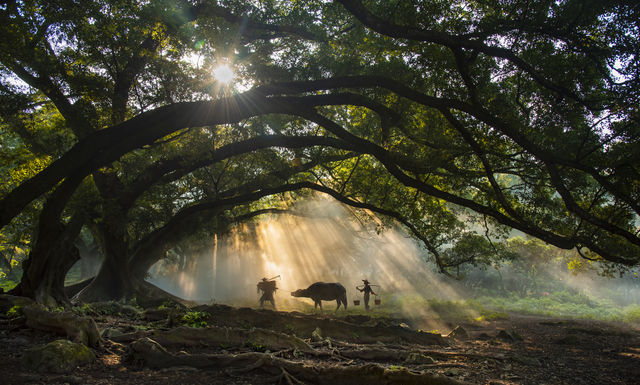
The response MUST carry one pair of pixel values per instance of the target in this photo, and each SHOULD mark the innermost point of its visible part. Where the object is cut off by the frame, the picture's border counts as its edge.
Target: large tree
(521, 115)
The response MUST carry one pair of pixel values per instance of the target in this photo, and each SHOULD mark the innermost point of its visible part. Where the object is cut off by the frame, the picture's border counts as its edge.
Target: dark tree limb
(357, 9)
(558, 240)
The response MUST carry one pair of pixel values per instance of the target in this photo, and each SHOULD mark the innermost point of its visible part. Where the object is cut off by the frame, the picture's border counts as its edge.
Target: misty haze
(322, 240)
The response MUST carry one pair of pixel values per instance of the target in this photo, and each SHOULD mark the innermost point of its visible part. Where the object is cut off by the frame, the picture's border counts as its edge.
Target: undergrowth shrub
(195, 319)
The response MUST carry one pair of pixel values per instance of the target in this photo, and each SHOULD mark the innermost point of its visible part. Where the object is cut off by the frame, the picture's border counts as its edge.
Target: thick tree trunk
(43, 277)
(54, 251)
(51, 258)
(114, 280)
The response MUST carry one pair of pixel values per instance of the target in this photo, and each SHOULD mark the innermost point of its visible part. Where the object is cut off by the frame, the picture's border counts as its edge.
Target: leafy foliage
(196, 319)
(457, 121)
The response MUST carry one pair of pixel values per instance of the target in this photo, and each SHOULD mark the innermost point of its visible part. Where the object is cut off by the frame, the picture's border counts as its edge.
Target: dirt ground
(518, 350)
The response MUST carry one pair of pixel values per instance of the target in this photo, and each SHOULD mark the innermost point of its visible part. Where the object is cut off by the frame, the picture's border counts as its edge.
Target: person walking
(268, 288)
(367, 290)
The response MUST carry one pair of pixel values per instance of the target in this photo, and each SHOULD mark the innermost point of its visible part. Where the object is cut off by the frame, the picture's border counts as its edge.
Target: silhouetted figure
(367, 290)
(268, 288)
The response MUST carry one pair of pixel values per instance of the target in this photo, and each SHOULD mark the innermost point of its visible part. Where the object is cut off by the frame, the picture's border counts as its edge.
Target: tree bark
(51, 258)
(113, 281)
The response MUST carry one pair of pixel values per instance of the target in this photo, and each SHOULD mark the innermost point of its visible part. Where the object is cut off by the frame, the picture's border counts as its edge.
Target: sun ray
(329, 247)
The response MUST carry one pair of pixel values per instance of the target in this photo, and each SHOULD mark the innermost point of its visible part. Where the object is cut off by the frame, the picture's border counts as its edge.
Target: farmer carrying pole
(268, 288)
(367, 290)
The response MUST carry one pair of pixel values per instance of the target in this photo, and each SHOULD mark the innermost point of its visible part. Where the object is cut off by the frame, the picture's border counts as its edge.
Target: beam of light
(224, 74)
(323, 245)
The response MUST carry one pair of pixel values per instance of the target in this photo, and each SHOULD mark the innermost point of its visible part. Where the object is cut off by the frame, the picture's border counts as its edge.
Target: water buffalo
(320, 291)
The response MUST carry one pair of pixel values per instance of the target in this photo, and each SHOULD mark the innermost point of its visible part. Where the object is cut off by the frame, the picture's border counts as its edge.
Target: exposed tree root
(146, 294)
(251, 367)
(222, 336)
(386, 354)
(77, 328)
(255, 337)
(7, 301)
(375, 354)
(149, 353)
(283, 353)
(400, 352)
(74, 289)
(303, 325)
(149, 295)
(286, 378)
(450, 355)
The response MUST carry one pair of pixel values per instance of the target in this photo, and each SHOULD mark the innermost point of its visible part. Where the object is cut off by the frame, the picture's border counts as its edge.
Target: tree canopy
(441, 116)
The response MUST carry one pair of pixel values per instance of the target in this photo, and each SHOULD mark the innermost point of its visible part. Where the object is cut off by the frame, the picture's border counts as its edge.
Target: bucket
(376, 301)
(356, 302)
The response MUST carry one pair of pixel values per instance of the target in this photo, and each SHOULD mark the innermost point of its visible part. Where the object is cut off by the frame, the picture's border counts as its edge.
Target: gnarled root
(216, 336)
(77, 328)
(152, 354)
(286, 378)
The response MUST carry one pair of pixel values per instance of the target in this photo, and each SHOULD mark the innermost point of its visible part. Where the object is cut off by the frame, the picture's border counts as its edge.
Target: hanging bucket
(356, 302)
(377, 301)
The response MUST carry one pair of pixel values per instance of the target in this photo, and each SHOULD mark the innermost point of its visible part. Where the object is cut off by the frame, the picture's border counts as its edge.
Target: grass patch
(418, 307)
(488, 308)
(563, 304)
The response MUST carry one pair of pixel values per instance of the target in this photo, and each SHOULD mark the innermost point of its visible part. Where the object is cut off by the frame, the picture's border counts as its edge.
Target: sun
(223, 74)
